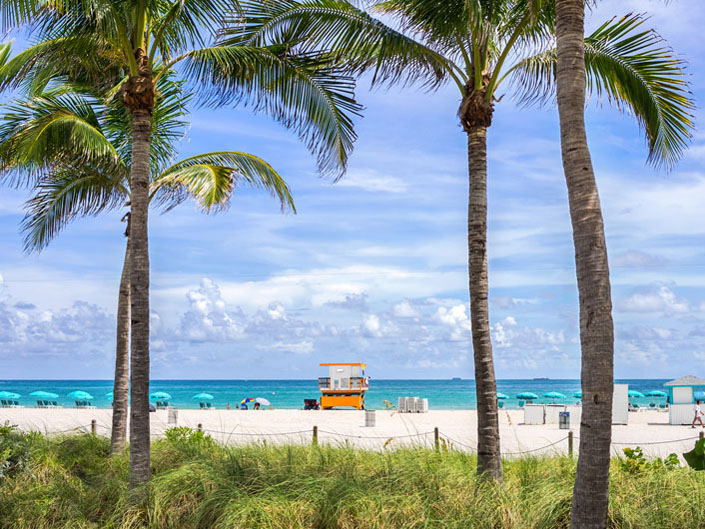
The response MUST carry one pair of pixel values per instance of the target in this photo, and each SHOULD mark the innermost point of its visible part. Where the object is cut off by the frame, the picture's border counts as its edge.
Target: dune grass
(72, 482)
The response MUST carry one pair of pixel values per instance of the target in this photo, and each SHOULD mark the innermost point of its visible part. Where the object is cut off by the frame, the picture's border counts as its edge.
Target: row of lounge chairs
(10, 403)
(207, 406)
(161, 404)
(83, 404)
(47, 404)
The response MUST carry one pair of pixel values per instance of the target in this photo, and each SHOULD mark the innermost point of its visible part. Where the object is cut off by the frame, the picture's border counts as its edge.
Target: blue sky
(373, 268)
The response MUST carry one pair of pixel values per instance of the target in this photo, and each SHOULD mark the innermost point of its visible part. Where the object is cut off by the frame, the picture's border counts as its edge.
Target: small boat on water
(456, 378)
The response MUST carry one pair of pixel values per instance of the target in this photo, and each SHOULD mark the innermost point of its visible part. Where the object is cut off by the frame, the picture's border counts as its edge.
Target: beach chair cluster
(48, 404)
(161, 404)
(6, 403)
(206, 406)
(84, 404)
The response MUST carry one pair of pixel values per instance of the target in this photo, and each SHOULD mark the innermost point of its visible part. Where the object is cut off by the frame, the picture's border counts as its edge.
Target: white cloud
(207, 318)
(371, 180)
(657, 298)
(404, 309)
(371, 326)
(456, 318)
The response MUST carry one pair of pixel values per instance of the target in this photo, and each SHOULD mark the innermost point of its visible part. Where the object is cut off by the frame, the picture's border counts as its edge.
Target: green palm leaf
(307, 93)
(210, 179)
(632, 70)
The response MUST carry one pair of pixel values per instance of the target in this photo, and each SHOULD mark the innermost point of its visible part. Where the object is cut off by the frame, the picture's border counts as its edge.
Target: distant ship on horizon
(456, 378)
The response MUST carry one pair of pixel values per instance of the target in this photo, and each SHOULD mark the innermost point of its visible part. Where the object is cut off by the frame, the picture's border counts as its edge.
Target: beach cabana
(681, 396)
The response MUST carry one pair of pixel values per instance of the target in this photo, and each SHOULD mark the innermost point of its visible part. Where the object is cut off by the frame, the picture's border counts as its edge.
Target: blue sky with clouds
(373, 268)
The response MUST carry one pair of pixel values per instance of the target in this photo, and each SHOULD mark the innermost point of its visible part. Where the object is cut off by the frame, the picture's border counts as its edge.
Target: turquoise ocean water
(441, 394)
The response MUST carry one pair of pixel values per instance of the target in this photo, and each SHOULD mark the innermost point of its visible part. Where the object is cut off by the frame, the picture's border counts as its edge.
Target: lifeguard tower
(345, 385)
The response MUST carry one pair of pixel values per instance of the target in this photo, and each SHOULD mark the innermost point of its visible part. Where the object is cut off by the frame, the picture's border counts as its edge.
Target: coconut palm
(480, 46)
(51, 136)
(591, 491)
(125, 46)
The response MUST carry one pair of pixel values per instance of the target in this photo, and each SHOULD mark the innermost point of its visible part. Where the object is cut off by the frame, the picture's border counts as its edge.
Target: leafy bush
(635, 462)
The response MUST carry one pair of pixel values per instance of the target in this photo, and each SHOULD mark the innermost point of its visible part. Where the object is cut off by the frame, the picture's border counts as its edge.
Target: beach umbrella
(9, 395)
(262, 401)
(553, 395)
(159, 395)
(527, 395)
(246, 400)
(635, 393)
(502, 396)
(578, 394)
(655, 393)
(203, 396)
(44, 395)
(109, 395)
(80, 395)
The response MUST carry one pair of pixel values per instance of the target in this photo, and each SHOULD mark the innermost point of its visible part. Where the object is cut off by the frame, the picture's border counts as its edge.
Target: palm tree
(479, 46)
(591, 491)
(125, 46)
(65, 189)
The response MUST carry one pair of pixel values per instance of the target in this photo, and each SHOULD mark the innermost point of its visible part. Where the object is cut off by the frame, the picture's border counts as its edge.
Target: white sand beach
(648, 429)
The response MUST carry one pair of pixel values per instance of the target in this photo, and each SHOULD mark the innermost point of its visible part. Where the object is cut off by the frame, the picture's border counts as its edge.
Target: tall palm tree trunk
(121, 384)
(489, 462)
(591, 490)
(139, 300)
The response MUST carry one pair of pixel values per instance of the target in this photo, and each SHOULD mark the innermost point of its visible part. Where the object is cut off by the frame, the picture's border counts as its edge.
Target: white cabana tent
(681, 398)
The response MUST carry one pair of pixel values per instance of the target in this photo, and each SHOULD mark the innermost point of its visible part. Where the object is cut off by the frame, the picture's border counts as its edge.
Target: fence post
(570, 443)
(701, 435)
(315, 436)
(200, 427)
(94, 424)
(436, 439)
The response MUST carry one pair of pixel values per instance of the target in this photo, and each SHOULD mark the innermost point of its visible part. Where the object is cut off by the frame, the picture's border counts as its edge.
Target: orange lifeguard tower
(345, 385)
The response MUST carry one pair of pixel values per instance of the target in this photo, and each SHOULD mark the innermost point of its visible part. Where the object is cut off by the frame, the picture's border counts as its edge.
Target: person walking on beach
(698, 415)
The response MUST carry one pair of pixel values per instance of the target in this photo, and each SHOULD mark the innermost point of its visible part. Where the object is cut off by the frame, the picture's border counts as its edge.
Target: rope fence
(440, 439)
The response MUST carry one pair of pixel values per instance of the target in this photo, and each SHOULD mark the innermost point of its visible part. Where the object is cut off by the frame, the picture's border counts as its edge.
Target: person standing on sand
(698, 415)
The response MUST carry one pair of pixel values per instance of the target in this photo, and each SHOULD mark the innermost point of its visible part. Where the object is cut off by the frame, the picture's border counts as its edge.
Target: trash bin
(370, 419)
(564, 420)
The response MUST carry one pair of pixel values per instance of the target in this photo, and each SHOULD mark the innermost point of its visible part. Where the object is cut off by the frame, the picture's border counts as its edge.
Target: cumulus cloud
(404, 309)
(656, 298)
(208, 319)
(351, 301)
(371, 326)
(457, 320)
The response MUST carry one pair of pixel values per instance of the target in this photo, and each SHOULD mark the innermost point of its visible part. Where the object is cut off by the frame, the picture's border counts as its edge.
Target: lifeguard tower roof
(688, 380)
(344, 364)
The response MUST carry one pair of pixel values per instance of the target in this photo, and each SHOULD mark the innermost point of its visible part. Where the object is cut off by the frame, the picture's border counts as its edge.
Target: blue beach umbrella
(578, 394)
(203, 396)
(502, 396)
(109, 395)
(553, 395)
(655, 393)
(9, 395)
(44, 395)
(527, 395)
(635, 393)
(159, 395)
(80, 395)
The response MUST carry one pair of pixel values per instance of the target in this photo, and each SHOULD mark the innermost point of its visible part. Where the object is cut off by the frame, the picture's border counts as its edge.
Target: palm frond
(357, 40)
(307, 93)
(633, 70)
(66, 194)
(210, 179)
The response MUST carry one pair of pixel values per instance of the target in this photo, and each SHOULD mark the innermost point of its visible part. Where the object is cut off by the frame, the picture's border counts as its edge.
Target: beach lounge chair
(4, 403)
(500, 404)
(17, 404)
(209, 406)
(521, 403)
(54, 404)
(203, 405)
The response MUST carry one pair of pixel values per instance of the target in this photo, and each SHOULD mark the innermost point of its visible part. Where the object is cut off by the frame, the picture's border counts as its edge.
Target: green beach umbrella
(655, 393)
(44, 395)
(9, 395)
(502, 396)
(527, 395)
(159, 395)
(80, 395)
(203, 396)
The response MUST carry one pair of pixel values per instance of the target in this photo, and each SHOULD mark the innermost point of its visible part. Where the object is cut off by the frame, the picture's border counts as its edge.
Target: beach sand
(648, 429)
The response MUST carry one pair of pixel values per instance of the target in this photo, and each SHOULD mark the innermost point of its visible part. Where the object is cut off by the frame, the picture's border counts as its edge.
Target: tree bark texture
(591, 490)
(489, 462)
(121, 383)
(139, 298)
